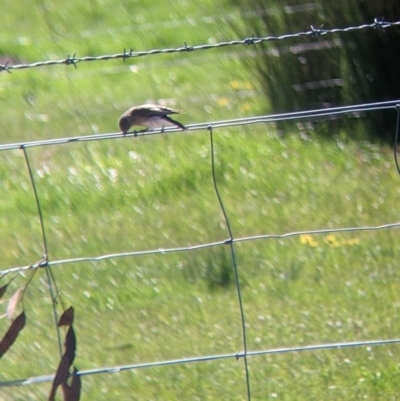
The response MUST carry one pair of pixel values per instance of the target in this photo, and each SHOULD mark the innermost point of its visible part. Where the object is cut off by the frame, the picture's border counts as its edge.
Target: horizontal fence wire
(326, 113)
(93, 259)
(237, 355)
(127, 54)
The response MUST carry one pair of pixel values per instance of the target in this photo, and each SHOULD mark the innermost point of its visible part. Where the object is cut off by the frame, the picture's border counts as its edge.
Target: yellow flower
(307, 239)
(235, 84)
(330, 239)
(223, 101)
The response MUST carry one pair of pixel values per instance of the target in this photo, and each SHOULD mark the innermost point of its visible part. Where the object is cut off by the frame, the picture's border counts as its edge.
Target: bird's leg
(136, 133)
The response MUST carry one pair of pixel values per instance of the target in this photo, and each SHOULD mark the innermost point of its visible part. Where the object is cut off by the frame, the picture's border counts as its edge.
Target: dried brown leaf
(66, 388)
(70, 344)
(76, 385)
(67, 318)
(3, 289)
(14, 302)
(12, 333)
(62, 373)
(72, 392)
(61, 376)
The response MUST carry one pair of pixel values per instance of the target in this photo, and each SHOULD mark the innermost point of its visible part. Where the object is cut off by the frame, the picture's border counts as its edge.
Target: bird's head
(124, 124)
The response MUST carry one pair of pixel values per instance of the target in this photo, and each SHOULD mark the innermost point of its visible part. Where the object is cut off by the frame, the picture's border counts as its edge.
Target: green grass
(155, 192)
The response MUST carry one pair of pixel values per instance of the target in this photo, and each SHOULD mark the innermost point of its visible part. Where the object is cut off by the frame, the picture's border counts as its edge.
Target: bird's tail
(174, 122)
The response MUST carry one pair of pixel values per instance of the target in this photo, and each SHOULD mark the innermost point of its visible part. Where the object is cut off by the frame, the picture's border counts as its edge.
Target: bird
(148, 115)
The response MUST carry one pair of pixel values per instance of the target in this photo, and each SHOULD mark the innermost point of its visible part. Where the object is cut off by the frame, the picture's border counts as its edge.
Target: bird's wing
(154, 110)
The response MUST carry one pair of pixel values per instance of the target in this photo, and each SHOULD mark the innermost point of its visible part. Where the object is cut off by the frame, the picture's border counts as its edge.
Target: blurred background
(144, 193)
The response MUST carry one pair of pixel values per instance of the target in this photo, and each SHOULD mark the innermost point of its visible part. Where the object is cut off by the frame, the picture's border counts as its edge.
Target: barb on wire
(234, 262)
(250, 41)
(126, 54)
(122, 368)
(71, 60)
(5, 67)
(379, 24)
(313, 32)
(188, 48)
(317, 32)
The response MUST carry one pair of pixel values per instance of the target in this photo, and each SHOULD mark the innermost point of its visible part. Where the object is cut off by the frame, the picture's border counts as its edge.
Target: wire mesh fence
(229, 241)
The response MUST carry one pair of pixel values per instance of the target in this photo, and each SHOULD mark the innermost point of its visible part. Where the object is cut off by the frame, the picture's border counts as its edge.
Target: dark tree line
(328, 70)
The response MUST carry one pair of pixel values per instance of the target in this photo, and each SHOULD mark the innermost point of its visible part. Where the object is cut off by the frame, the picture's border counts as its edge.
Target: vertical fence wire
(234, 263)
(49, 275)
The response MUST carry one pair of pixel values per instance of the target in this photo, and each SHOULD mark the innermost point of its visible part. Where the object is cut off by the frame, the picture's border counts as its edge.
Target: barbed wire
(127, 54)
(198, 59)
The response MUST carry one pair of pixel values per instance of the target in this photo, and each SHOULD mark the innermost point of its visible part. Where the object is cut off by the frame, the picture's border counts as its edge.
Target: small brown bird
(148, 115)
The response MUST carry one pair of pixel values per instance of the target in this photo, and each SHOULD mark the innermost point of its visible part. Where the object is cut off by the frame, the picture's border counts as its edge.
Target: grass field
(153, 192)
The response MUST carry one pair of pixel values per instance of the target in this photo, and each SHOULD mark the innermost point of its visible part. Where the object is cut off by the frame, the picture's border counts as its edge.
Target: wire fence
(127, 54)
(230, 241)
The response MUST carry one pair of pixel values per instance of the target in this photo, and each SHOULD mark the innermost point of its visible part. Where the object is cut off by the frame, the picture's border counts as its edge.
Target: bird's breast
(153, 122)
